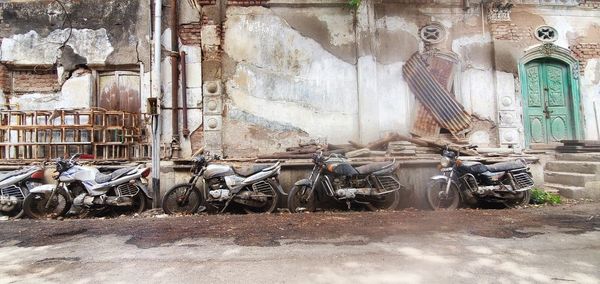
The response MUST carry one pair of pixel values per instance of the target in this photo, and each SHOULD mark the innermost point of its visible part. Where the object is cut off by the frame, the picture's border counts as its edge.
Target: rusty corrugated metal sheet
(442, 70)
(425, 125)
(437, 100)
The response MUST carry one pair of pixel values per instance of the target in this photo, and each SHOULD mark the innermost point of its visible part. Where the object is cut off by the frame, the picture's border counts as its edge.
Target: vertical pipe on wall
(173, 22)
(184, 112)
(156, 94)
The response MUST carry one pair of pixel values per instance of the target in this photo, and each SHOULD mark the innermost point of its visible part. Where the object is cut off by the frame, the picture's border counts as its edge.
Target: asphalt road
(532, 245)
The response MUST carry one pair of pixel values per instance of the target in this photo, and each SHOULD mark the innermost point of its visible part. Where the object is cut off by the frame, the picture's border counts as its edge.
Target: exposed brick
(584, 52)
(247, 2)
(509, 31)
(27, 81)
(206, 2)
(190, 33)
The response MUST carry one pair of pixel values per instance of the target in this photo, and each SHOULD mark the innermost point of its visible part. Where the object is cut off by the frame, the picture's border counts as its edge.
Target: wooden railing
(98, 134)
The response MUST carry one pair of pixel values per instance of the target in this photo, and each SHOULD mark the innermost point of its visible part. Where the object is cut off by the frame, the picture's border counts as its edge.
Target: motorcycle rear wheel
(173, 202)
(390, 201)
(519, 201)
(298, 201)
(139, 205)
(436, 195)
(34, 205)
(271, 203)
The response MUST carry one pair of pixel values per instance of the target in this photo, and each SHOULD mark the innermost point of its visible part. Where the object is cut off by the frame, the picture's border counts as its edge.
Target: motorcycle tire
(172, 205)
(298, 203)
(270, 206)
(139, 205)
(435, 190)
(523, 200)
(390, 202)
(35, 203)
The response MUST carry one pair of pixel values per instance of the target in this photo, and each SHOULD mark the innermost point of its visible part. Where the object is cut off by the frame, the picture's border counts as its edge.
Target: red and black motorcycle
(374, 186)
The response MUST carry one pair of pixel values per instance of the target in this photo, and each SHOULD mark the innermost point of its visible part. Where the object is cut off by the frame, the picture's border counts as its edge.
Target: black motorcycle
(256, 189)
(471, 183)
(373, 186)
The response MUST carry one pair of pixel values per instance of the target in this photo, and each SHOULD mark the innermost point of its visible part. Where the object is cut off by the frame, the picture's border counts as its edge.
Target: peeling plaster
(340, 28)
(390, 23)
(282, 76)
(30, 48)
(590, 99)
(237, 114)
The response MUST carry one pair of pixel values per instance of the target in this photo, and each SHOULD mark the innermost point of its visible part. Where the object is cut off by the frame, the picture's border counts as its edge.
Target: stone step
(566, 178)
(585, 157)
(573, 192)
(581, 167)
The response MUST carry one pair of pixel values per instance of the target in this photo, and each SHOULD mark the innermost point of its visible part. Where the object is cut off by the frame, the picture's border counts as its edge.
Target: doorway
(549, 105)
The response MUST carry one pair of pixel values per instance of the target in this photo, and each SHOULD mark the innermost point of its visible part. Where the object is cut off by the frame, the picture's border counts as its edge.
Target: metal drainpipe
(173, 22)
(156, 94)
(184, 118)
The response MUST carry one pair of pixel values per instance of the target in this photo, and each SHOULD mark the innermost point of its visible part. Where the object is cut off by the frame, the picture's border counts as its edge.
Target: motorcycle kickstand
(348, 204)
(227, 204)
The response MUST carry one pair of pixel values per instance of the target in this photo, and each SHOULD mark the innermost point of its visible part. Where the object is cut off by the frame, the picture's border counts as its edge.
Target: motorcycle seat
(373, 167)
(247, 171)
(506, 166)
(102, 178)
(8, 175)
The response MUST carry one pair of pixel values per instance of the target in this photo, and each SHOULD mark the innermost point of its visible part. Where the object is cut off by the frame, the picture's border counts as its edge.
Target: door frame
(552, 51)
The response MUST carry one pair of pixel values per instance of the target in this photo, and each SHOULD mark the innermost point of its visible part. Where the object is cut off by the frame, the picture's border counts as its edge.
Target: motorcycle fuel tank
(213, 171)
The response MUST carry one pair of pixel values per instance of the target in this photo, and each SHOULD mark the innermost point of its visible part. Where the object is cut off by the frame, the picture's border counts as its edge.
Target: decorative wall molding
(499, 11)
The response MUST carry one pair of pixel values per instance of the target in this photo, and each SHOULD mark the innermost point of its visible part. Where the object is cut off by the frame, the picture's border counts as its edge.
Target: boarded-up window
(119, 91)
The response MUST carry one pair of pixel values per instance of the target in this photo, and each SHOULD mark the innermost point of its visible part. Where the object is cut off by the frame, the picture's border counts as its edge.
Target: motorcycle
(256, 190)
(471, 183)
(15, 185)
(87, 190)
(375, 186)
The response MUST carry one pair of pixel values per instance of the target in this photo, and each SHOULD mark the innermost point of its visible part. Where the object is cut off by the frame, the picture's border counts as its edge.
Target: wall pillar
(366, 70)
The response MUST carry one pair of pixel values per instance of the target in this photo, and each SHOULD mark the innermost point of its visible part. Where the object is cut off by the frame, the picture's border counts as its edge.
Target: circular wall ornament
(509, 136)
(211, 105)
(506, 101)
(546, 34)
(212, 123)
(432, 33)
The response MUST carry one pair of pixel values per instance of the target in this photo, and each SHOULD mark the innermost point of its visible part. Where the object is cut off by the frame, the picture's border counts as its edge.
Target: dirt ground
(268, 230)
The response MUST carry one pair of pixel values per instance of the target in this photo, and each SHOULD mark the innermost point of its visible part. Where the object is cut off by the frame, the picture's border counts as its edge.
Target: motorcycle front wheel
(301, 199)
(437, 197)
(174, 201)
(34, 205)
(272, 197)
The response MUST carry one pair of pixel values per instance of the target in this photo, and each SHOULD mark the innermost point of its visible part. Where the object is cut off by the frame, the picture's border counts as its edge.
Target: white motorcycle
(15, 185)
(85, 187)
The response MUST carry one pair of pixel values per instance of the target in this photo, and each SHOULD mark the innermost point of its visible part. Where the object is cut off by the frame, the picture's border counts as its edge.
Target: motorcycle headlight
(445, 162)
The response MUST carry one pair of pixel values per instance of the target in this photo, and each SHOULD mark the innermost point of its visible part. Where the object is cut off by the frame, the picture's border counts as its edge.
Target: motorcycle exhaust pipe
(118, 201)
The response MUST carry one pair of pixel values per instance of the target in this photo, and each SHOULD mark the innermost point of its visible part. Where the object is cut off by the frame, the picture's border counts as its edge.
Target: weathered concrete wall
(63, 36)
(275, 93)
(282, 83)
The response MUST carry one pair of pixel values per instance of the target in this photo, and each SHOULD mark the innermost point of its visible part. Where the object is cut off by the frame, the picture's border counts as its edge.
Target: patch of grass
(539, 196)
(354, 3)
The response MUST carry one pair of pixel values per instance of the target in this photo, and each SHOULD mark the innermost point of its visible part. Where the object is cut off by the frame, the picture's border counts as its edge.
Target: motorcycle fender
(144, 189)
(439, 177)
(45, 189)
(303, 182)
(280, 189)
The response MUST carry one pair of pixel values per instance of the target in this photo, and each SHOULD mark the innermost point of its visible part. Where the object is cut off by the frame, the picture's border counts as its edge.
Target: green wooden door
(548, 105)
